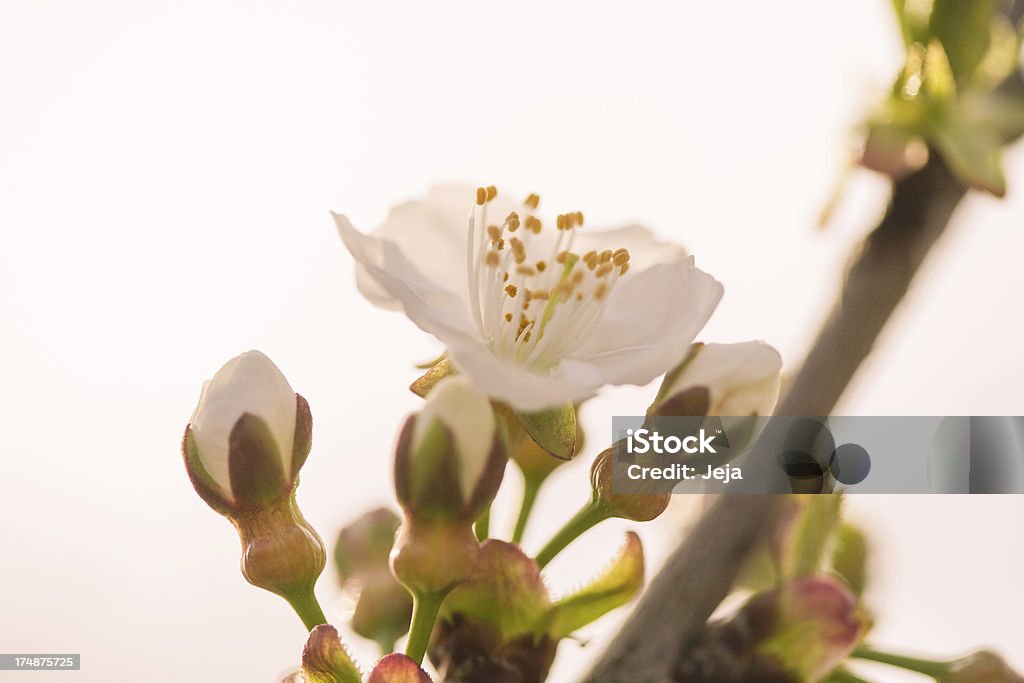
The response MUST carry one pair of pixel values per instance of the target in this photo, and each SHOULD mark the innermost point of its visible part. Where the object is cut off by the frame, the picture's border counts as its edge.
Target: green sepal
(849, 557)
(505, 591)
(208, 489)
(397, 668)
(303, 436)
(325, 659)
(254, 464)
(553, 429)
(614, 587)
(425, 382)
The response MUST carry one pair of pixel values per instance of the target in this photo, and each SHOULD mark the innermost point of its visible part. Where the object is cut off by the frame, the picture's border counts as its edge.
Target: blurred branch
(672, 613)
(699, 574)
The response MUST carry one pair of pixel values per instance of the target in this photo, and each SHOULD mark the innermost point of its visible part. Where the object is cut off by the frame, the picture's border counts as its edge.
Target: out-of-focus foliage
(948, 98)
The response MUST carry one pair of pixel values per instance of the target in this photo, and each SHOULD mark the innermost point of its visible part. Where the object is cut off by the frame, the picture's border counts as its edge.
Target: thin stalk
(424, 613)
(531, 485)
(308, 609)
(589, 516)
(844, 676)
(921, 666)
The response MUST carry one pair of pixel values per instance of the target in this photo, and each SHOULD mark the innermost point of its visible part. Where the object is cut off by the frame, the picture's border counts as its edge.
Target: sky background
(166, 173)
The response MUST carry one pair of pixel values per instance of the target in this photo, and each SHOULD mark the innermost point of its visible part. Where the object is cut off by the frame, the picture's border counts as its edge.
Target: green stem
(482, 528)
(844, 676)
(424, 613)
(921, 666)
(590, 515)
(308, 609)
(531, 485)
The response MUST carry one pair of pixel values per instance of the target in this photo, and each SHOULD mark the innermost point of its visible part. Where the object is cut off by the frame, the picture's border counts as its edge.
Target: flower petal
(516, 385)
(389, 279)
(650, 319)
(645, 250)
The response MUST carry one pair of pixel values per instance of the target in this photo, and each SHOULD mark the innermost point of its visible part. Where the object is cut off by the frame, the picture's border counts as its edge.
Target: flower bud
(397, 668)
(980, 667)
(248, 437)
(638, 507)
(742, 379)
(247, 440)
(325, 660)
(450, 457)
(813, 624)
(383, 606)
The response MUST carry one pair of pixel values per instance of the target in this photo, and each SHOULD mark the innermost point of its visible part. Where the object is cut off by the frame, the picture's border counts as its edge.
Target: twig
(696, 578)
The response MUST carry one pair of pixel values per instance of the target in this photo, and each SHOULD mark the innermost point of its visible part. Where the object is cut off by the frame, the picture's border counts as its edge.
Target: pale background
(166, 172)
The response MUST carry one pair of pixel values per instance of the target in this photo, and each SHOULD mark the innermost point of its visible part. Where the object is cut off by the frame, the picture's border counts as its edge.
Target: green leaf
(612, 588)
(506, 591)
(553, 429)
(973, 153)
(325, 660)
(849, 557)
(964, 29)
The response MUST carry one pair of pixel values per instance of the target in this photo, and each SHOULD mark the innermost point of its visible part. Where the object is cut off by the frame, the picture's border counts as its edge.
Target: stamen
(481, 196)
(512, 221)
(494, 232)
(532, 201)
(511, 290)
(541, 266)
(492, 259)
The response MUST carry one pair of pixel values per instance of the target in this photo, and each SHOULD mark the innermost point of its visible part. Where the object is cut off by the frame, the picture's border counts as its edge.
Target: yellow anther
(525, 270)
(508, 317)
(512, 221)
(492, 192)
(560, 221)
(494, 232)
(623, 269)
(601, 290)
(533, 224)
(579, 296)
(539, 294)
(560, 256)
(505, 278)
(620, 258)
(511, 290)
(606, 256)
(541, 266)
(491, 259)
(579, 219)
(500, 245)
(481, 196)
(577, 277)
(533, 201)
(603, 270)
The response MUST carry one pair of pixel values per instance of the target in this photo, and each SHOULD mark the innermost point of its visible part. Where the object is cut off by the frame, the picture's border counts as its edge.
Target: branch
(671, 614)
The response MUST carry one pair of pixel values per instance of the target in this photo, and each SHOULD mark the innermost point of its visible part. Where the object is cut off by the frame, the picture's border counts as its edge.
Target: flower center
(533, 298)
